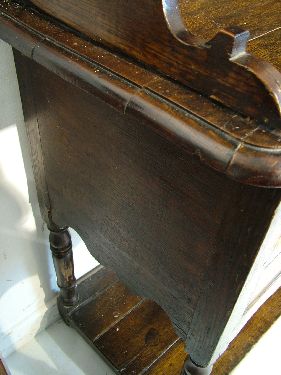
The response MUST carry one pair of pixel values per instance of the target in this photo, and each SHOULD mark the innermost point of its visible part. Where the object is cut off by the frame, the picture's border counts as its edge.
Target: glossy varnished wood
(98, 71)
(105, 310)
(130, 333)
(164, 185)
(136, 337)
(61, 247)
(150, 333)
(154, 34)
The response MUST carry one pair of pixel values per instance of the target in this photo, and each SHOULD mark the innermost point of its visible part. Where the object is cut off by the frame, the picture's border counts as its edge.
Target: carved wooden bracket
(153, 32)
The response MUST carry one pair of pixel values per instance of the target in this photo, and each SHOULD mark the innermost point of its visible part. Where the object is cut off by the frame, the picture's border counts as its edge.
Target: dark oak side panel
(173, 229)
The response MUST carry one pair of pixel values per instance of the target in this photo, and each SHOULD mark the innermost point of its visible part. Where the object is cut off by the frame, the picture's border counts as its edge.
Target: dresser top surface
(201, 44)
(205, 18)
(238, 146)
(261, 17)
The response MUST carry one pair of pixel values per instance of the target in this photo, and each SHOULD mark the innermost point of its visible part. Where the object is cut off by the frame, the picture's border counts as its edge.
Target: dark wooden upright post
(61, 247)
(190, 368)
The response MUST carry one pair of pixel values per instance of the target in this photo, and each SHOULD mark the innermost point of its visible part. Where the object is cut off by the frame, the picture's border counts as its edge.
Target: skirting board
(33, 322)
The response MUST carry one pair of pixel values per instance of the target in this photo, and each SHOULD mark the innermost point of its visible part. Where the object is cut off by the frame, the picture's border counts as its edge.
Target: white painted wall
(27, 279)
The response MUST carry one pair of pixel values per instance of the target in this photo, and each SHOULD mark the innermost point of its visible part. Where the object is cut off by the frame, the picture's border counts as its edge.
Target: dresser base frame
(134, 335)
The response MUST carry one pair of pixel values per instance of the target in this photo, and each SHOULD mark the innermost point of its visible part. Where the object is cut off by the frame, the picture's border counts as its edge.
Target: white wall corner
(27, 279)
(36, 319)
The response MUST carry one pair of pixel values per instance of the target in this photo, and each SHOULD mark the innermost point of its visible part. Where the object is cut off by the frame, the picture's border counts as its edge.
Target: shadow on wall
(27, 278)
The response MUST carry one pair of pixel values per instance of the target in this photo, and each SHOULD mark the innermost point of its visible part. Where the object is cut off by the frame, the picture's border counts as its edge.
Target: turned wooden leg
(190, 368)
(61, 246)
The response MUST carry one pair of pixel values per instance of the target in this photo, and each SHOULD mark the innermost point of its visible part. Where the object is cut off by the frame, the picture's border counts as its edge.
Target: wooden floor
(2, 369)
(135, 335)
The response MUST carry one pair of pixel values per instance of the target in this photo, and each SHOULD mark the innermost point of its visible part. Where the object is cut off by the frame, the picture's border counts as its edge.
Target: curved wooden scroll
(153, 33)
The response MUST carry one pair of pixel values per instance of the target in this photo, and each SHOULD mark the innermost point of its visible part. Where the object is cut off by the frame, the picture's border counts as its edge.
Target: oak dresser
(155, 132)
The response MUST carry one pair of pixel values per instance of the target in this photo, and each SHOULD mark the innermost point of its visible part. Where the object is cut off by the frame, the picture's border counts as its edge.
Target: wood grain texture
(154, 34)
(105, 310)
(124, 152)
(147, 206)
(36, 154)
(213, 132)
(171, 363)
(207, 17)
(268, 47)
(132, 335)
(149, 333)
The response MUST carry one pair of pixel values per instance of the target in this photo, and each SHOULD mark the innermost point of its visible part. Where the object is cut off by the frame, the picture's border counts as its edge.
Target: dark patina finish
(161, 150)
